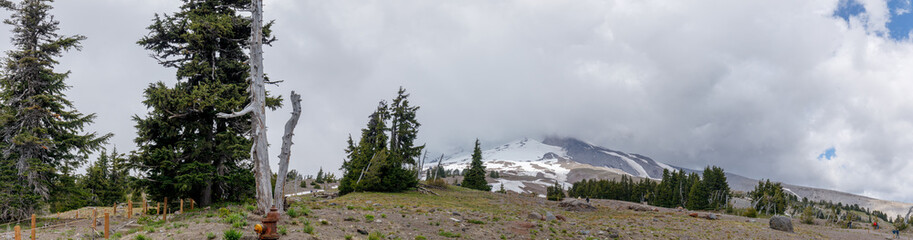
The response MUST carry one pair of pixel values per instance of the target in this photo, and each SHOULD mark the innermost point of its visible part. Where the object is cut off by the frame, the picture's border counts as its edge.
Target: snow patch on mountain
(641, 172)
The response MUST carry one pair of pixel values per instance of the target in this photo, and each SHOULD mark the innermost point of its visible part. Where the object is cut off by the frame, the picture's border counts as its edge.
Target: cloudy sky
(816, 93)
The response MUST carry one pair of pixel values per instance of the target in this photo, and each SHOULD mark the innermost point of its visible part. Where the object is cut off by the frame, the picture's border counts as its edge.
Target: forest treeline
(675, 189)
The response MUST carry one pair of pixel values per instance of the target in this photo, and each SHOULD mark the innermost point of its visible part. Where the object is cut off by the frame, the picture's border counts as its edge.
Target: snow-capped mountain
(528, 165)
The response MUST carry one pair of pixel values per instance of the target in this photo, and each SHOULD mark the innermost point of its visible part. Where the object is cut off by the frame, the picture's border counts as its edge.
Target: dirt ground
(456, 213)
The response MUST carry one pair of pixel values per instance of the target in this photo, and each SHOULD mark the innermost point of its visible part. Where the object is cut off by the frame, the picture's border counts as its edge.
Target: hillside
(454, 213)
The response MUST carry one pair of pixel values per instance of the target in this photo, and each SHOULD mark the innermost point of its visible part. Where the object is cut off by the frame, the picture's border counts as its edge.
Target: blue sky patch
(901, 16)
(828, 154)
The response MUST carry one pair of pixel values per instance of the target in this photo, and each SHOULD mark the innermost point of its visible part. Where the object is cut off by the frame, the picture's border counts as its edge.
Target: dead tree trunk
(279, 192)
(259, 150)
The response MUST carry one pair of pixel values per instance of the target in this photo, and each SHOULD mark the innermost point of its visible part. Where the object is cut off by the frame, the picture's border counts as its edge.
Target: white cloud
(757, 87)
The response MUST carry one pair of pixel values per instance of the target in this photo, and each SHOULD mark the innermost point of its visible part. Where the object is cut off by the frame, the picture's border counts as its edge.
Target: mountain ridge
(528, 166)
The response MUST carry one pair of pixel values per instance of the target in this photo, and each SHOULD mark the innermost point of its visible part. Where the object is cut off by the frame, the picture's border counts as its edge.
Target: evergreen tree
(554, 192)
(698, 196)
(717, 187)
(319, 178)
(184, 149)
(40, 131)
(385, 157)
(475, 174)
(106, 179)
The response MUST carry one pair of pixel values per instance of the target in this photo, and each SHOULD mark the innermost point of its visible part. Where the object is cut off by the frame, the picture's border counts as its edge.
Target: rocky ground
(454, 213)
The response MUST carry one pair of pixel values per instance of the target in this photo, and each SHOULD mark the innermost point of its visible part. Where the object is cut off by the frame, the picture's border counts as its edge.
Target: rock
(362, 231)
(639, 208)
(333, 204)
(693, 215)
(535, 216)
(368, 202)
(549, 216)
(455, 220)
(455, 213)
(377, 205)
(350, 219)
(712, 216)
(781, 223)
(571, 204)
(561, 217)
(584, 232)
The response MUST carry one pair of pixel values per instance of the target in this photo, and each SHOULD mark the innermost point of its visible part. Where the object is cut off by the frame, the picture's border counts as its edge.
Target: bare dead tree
(279, 191)
(259, 150)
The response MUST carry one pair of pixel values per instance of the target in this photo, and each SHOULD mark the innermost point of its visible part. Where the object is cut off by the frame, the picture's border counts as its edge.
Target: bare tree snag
(259, 150)
(286, 150)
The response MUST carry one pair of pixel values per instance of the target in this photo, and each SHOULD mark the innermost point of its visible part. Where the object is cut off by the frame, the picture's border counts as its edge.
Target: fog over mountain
(815, 93)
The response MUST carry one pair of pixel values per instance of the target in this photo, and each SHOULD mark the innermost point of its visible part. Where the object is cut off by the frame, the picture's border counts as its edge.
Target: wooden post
(129, 208)
(115, 209)
(158, 209)
(33, 227)
(94, 218)
(165, 212)
(18, 234)
(77, 213)
(191, 204)
(106, 225)
(144, 207)
(182, 206)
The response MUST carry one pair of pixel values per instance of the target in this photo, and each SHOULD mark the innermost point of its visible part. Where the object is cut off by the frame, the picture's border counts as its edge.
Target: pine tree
(106, 179)
(475, 174)
(185, 150)
(319, 178)
(554, 192)
(697, 196)
(385, 157)
(40, 131)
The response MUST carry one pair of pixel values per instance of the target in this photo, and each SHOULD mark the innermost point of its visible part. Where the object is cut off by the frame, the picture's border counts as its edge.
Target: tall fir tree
(474, 177)
(41, 134)
(185, 150)
(384, 158)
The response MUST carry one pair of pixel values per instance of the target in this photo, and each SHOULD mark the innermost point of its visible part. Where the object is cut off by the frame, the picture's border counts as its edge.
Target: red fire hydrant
(267, 230)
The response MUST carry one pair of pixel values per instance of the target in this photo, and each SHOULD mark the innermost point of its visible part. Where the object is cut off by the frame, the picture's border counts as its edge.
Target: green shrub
(369, 218)
(250, 208)
(420, 237)
(751, 212)
(224, 212)
(307, 227)
(376, 236)
(141, 237)
(439, 182)
(808, 215)
(448, 234)
(231, 234)
(210, 235)
(283, 230)
(473, 221)
(292, 212)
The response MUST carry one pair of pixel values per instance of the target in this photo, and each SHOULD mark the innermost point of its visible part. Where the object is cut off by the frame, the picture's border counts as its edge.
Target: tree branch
(246, 110)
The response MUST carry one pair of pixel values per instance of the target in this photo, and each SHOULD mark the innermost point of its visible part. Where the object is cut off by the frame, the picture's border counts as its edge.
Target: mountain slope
(529, 166)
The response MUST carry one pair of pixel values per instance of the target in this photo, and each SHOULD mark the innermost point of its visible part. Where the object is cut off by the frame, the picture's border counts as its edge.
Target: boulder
(571, 204)
(561, 217)
(712, 216)
(781, 223)
(549, 216)
(535, 216)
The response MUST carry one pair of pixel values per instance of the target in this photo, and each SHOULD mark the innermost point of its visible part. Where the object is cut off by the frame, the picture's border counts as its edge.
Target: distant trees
(107, 179)
(41, 139)
(769, 198)
(552, 193)
(474, 176)
(184, 149)
(675, 189)
(384, 159)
